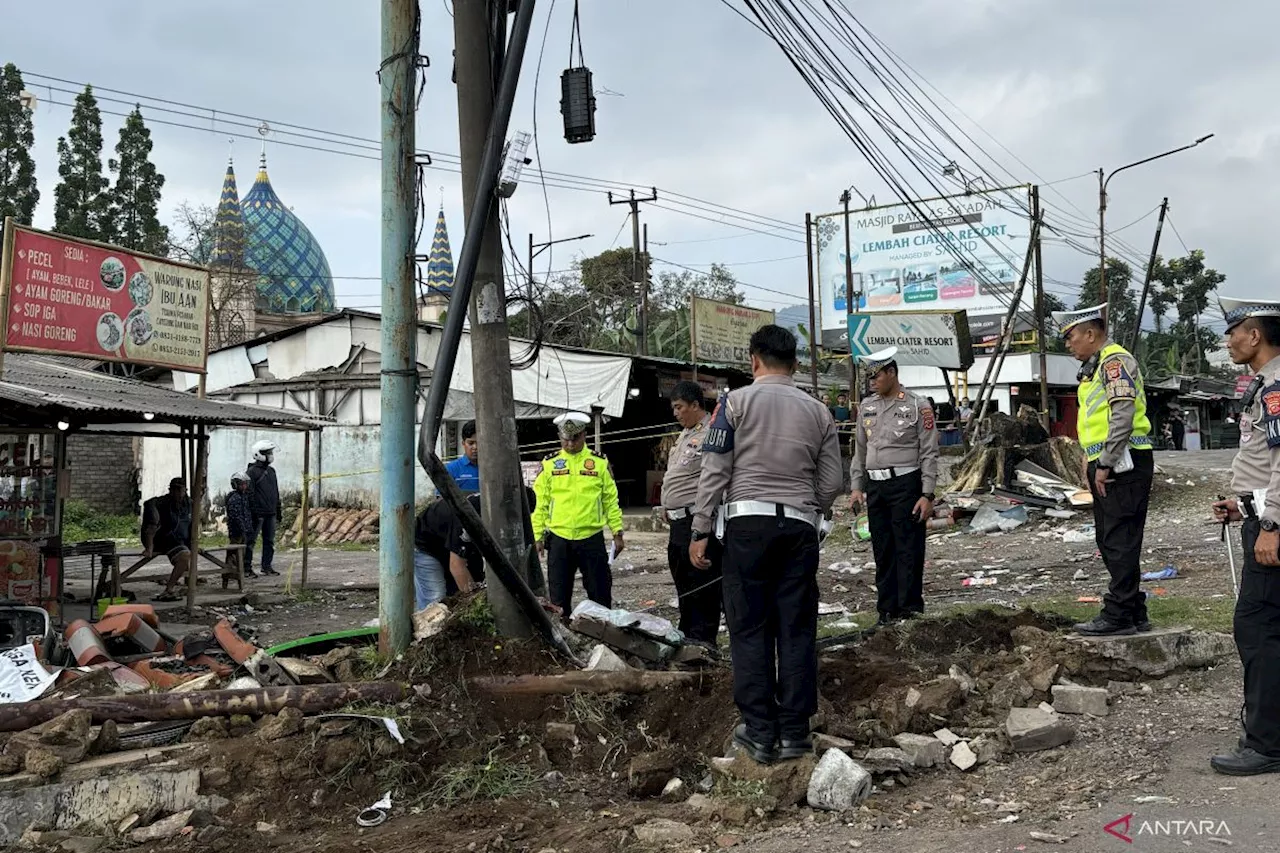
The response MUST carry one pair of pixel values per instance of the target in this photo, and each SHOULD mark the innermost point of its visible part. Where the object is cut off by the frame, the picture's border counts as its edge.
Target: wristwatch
(699, 535)
(1269, 525)
(930, 496)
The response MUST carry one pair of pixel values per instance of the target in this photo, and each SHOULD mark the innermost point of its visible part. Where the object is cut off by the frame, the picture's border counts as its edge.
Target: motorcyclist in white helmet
(265, 506)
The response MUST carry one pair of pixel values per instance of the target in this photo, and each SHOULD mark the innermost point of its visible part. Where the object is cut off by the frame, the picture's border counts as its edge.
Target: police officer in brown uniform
(772, 457)
(894, 472)
(698, 589)
(1253, 339)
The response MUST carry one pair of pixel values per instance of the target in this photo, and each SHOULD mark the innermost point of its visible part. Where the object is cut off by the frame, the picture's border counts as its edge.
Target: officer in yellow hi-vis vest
(576, 499)
(1115, 433)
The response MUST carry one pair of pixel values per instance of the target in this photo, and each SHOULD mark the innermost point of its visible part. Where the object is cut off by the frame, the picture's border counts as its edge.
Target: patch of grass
(371, 660)
(496, 779)
(741, 790)
(80, 523)
(841, 535)
(478, 615)
(1202, 613)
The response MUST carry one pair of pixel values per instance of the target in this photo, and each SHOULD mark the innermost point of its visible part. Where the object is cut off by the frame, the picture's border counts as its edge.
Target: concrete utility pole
(642, 336)
(1040, 316)
(1146, 282)
(479, 27)
(399, 326)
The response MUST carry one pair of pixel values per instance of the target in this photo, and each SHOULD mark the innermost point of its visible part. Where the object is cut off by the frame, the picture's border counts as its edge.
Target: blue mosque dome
(293, 272)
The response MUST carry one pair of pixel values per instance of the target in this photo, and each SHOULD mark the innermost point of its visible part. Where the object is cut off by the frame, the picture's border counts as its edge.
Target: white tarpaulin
(559, 380)
(22, 676)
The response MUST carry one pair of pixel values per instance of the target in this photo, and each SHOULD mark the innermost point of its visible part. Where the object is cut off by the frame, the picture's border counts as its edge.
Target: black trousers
(700, 594)
(1257, 630)
(771, 607)
(1118, 521)
(565, 557)
(897, 542)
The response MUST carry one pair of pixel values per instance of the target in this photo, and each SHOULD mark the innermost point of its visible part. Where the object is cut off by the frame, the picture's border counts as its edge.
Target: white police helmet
(263, 451)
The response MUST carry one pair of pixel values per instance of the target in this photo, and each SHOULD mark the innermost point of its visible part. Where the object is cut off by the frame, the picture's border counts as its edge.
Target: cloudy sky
(696, 102)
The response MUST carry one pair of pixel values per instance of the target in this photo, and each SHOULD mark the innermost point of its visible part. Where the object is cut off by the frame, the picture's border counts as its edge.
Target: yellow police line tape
(651, 433)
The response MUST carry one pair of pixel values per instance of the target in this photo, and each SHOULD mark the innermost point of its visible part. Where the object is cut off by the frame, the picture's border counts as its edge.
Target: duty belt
(736, 509)
(882, 474)
(677, 514)
(1252, 502)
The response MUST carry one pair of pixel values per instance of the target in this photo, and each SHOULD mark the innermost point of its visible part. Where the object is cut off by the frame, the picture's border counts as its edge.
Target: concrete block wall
(102, 469)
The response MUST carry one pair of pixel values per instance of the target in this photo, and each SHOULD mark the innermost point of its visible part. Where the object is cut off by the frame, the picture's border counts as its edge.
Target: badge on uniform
(720, 433)
(926, 414)
(1119, 382)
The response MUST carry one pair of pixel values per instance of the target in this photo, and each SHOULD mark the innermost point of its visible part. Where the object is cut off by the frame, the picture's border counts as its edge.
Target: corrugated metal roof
(56, 388)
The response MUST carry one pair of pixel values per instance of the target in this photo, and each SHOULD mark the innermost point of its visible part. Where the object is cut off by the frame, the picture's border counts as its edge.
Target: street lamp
(1102, 209)
(542, 247)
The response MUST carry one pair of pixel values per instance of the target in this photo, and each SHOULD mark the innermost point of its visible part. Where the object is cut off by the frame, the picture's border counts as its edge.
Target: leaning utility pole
(642, 336)
(1040, 316)
(399, 326)
(480, 38)
(1146, 282)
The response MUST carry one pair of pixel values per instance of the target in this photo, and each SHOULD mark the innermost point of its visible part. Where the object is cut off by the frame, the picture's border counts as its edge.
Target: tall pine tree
(18, 193)
(81, 200)
(135, 199)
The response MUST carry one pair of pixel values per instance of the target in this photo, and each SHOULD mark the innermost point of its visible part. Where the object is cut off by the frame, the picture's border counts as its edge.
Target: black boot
(1104, 627)
(797, 747)
(759, 752)
(1245, 762)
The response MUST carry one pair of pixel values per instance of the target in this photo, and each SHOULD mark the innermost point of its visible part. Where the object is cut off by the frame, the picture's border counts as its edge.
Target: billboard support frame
(987, 388)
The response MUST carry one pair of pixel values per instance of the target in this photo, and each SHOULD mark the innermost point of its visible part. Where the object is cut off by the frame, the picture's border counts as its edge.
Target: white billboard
(967, 256)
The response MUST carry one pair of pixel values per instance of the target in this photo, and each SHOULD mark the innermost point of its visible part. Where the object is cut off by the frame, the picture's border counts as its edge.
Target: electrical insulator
(578, 105)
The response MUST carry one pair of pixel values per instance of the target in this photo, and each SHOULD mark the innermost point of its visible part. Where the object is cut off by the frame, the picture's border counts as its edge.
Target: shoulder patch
(926, 416)
(1271, 414)
(552, 455)
(1119, 382)
(720, 432)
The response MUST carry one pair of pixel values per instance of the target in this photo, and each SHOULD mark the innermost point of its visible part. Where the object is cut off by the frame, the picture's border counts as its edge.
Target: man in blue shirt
(464, 470)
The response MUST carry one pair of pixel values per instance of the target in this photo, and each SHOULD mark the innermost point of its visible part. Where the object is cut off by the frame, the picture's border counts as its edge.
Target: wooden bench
(222, 567)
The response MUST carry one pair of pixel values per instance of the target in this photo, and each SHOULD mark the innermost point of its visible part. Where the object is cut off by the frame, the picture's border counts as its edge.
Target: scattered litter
(1089, 599)
(1164, 574)
(980, 581)
(844, 568)
(22, 677)
(1013, 818)
(989, 520)
(393, 728)
(1218, 839)
(1083, 534)
(376, 814)
(839, 588)
(1080, 575)
(1142, 801)
(862, 528)
(1061, 513)
(825, 609)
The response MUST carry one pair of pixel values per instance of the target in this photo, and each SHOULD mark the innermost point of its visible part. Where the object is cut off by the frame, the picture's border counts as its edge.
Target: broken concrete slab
(838, 783)
(924, 750)
(823, 742)
(604, 659)
(963, 757)
(1074, 699)
(663, 831)
(43, 762)
(888, 759)
(285, 724)
(163, 829)
(948, 737)
(674, 790)
(430, 621)
(1032, 729)
(986, 748)
(102, 801)
(1161, 651)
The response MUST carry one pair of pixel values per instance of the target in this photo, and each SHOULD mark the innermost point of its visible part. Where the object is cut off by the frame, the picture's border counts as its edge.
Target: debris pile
(335, 526)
